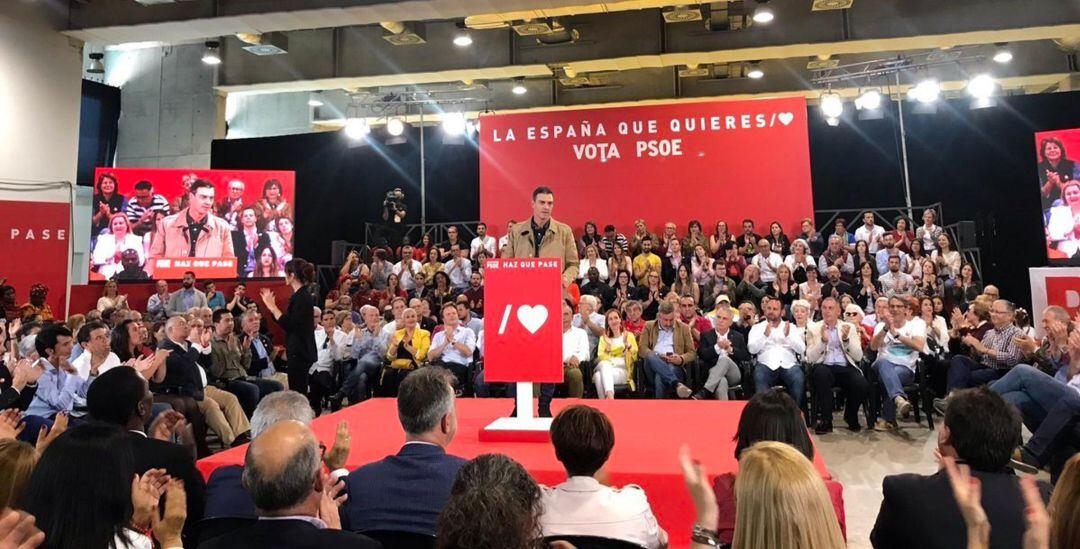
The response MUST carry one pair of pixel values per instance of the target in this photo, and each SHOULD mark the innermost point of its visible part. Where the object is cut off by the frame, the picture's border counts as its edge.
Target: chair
(210, 528)
(919, 393)
(837, 392)
(391, 539)
(588, 368)
(593, 542)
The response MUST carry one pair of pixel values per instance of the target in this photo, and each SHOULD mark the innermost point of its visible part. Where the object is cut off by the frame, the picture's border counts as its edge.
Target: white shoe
(903, 407)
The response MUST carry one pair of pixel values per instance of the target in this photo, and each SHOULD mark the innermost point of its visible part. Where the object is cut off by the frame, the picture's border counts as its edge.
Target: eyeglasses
(851, 314)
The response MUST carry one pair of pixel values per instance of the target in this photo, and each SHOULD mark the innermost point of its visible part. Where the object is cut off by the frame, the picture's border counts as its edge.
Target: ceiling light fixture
(97, 66)
(395, 126)
(212, 55)
(926, 91)
(762, 13)
(356, 128)
(463, 40)
(753, 70)
(1002, 54)
(981, 86)
(453, 123)
(832, 106)
(519, 87)
(869, 100)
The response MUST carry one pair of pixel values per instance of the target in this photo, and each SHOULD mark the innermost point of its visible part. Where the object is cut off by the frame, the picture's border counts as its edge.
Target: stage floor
(648, 434)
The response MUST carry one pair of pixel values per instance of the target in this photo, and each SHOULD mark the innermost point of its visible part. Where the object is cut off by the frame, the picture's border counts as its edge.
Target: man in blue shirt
(60, 389)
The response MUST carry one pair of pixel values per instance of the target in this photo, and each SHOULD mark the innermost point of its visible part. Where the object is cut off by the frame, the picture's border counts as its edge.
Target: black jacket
(295, 534)
(298, 321)
(181, 372)
(707, 348)
(9, 397)
(920, 511)
(157, 454)
(669, 271)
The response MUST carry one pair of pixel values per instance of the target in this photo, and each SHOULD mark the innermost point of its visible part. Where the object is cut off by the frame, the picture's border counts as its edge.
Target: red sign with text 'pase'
(523, 320)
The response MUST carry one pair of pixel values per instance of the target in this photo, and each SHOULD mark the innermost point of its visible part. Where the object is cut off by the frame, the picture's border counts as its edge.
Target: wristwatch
(705, 536)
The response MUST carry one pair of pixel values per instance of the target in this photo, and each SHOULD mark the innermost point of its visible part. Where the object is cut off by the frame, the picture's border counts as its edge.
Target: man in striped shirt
(997, 351)
(141, 211)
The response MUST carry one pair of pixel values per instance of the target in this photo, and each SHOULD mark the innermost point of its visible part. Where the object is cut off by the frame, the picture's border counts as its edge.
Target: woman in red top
(771, 415)
(393, 289)
(902, 234)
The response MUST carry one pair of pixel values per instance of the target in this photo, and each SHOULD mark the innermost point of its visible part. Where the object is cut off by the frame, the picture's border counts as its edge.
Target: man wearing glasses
(898, 339)
(997, 353)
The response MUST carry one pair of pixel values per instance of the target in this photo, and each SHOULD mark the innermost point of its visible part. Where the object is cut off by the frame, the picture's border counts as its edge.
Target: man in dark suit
(121, 396)
(980, 430)
(721, 350)
(407, 491)
(284, 476)
(247, 240)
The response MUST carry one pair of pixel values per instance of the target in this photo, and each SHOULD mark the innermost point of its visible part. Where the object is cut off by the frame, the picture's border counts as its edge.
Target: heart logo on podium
(785, 118)
(532, 318)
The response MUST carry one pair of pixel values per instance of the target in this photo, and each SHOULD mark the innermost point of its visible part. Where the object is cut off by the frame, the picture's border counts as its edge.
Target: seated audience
(407, 350)
(776, 345)
(184, 299)
(184, 378)
(980, 429)
(616, 353)
(646, 262)
(721, 350)
(452, 348)
(589, 320)
(834, 351)
(331, 348)
(583, 438)
(837, 255)
(60, 389)
(997, 352)
(650, 295)
(283, 474)
(406, 492)
(896, 282)
(767, 261)
(231, 359)
(898, 339)
(494, 504)
(600, 290)
(667, 347)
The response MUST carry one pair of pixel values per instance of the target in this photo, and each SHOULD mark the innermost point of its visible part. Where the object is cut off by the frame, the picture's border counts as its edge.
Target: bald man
(283, 474)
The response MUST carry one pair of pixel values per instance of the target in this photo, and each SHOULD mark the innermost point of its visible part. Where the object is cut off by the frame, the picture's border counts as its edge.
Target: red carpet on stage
(647, 439)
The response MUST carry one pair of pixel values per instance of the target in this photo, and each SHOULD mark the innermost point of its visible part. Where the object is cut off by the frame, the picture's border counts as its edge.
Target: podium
(522, 339)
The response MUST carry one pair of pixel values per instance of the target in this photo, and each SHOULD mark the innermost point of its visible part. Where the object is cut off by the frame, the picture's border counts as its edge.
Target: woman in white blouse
(946, 258)
(592, 259)
(110, 299)
(619, 261)
(701, 265)
(936, 329)
(110, 245)
(800, 261)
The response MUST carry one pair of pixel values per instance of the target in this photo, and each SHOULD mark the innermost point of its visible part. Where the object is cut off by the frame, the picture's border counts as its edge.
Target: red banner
(710, 161)
(523, 320)
(245, 221)
(35, 249)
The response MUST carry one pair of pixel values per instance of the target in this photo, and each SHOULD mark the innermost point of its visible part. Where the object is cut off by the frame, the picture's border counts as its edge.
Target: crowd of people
(781, 321)
(127, 231)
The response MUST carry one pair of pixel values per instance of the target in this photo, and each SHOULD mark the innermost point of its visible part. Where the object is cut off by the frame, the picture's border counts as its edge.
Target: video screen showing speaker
(1059, 189)
(220, 224)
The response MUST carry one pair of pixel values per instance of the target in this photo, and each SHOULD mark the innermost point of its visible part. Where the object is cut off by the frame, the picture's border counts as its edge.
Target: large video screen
(1059, 189)
(220, 224)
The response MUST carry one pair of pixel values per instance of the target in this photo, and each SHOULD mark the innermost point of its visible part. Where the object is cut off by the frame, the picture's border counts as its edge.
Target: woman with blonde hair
(616, 353)
(781, 502)
(17, 460)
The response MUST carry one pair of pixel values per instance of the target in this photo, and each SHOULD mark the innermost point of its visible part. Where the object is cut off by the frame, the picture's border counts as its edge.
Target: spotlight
(519, 87)
(395, 127)
(211, 56)
(453, 123)
(97, 66)
(981, 86)
(832, 107)
(753, 70)
(1002, 54)
(762, 13)
(926, 91)
(315, 100)
(357, 128)
(832, 121)
(869, 100)
(462, 40)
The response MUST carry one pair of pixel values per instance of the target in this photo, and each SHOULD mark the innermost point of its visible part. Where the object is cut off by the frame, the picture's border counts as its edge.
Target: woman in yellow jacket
(615, 355)
(407, 350)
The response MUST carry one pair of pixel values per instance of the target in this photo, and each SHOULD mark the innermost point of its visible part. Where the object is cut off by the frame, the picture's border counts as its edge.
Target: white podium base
(524, 427)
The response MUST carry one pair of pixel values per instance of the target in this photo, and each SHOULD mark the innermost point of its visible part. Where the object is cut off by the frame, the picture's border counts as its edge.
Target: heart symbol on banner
(532, 318)
(786, 118)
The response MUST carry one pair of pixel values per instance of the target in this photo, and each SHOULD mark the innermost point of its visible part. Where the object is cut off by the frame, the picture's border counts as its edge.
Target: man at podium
(542, 236)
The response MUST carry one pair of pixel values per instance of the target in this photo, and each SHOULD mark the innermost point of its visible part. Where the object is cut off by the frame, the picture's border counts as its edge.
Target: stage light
(926, 91)
(869, 100)
(753, 70)
(97, 66)
(211, 55)
(762, 13)
(1002, 54)
(463, 40)
(453, 123)
(395, 126)
(315, 100)
(356, 128)
(981, 86)
(832, 106)
(519, 87)
(832, 121)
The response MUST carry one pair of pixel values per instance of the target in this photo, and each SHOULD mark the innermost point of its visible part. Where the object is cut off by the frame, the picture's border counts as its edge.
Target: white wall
(40, 91)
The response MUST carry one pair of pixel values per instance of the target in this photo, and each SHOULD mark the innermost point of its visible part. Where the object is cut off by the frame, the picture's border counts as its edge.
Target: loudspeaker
(338, 250)
(965, 232)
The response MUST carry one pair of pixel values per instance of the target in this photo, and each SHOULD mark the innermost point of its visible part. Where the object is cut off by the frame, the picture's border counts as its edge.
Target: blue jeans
(250, 391)
(1033, 392)
(893, 377)
(356, 381)
(965, 372)
(1048, 443)
(664, 375)
(793, 379)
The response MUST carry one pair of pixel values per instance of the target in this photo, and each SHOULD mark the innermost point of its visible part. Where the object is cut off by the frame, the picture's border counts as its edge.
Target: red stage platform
(647, 439)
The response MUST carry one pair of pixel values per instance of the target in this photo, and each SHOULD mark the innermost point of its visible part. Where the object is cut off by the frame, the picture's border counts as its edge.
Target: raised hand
(968, 493)
(146, 490)
(331, 501)
(46, 436)
(168, 525)
(163, 425)
(701, 491)
(1037, 535)
(17, 531)
(11, 424)
(338, 454)
(267, 296)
